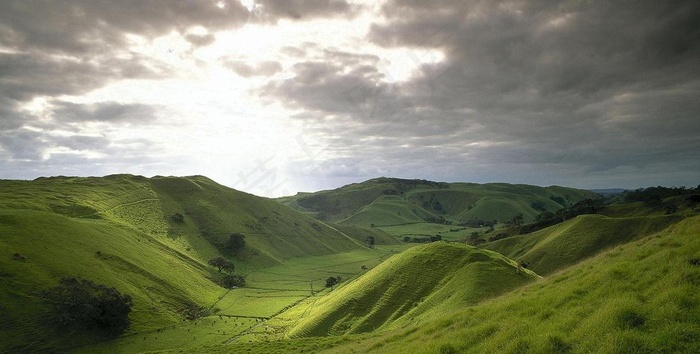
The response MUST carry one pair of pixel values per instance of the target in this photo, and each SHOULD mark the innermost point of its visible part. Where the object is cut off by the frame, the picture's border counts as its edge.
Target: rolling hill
(401, 207)
(123, 231)
(623, 280)
(567, 243)
(639, 297)
(410, 287)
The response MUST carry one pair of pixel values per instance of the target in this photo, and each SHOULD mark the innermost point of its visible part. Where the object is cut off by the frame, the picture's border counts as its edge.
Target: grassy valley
(121, 231)
(640, 297)
(611, 277)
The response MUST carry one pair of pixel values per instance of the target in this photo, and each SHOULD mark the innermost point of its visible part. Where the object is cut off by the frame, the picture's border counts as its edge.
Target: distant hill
(400, 206)
(148, 237)
(609, 191)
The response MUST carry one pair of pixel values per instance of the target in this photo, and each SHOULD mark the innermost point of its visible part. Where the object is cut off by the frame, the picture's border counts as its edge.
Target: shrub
(82, 303)
(235, 243)
(222, 264)
(230, 281)
(177, 217)
(331, 282)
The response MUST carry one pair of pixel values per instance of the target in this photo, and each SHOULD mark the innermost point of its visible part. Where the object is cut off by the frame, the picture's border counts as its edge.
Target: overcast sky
(276, 96)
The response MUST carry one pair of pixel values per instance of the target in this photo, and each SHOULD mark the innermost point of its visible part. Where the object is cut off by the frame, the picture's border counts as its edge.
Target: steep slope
(567, 243)
(410, 287)
(636, 298)
(273, 232)
(122, 231)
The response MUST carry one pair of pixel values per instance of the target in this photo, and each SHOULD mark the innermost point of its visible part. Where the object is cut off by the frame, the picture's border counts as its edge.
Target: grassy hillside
(389, 204)
(640, 297)
(119, 231)
(409, 287)
(567, 243)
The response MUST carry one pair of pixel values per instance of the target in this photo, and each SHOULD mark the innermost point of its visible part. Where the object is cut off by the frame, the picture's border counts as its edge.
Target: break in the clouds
(273, 96)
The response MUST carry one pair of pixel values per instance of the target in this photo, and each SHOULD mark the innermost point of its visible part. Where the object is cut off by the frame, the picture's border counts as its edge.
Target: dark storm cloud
(25, 76)
(80, 26)
(339, 83)
(597, 85)
(70, 47)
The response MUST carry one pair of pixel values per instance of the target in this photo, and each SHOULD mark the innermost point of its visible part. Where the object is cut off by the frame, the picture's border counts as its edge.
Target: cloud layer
(587, 94)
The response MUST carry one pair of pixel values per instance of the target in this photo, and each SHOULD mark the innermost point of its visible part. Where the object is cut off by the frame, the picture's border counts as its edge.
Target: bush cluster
(82, 303)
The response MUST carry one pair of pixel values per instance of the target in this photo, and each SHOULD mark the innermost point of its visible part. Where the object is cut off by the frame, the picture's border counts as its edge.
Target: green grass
(626, 281)
(410, 287)
(640, 297)
(117, 231)
(400, 206)
(562, 245)
(244, 314)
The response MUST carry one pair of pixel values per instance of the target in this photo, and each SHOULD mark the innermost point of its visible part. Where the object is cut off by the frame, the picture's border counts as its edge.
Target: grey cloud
(82, 142)
(266, 68)
(598, 85)
(305, 9)
(114, 112)
(70, 47)
(22, 144)
(10, 118)
(24, 76)
(340, 83)
(78, 26)
(200, 40)
(293, 51)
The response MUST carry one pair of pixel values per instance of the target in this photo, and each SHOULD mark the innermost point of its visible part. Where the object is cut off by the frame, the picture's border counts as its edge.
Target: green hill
(410, 287)
(640, 297)
(123, 231)
(567, 243)
(397, 206)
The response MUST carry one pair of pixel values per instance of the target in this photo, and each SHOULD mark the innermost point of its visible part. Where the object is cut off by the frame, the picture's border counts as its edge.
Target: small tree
(235, 243)
(222, 263)
(516, 221)
(232, 280)
(331, 282)
(370, 241)
(80, 302)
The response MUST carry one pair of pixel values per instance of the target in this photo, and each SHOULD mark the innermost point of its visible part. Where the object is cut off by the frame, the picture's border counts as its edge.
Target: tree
(235, 243)
(82, 303)
(539, 205)
(232, 280)
(222, 264)
(474, 239)
(177, 217)
(516, 221)
(370, 241)
(331, 282)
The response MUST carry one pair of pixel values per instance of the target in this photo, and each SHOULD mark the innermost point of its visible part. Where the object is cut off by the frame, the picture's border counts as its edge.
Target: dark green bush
(82, 303)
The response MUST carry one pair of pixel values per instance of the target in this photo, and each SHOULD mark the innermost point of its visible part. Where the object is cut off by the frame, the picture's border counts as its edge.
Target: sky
(273, 97)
